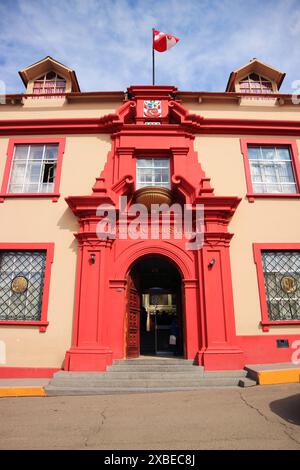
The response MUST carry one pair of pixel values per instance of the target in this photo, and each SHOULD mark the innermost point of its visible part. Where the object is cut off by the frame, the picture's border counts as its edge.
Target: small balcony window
(153, 172)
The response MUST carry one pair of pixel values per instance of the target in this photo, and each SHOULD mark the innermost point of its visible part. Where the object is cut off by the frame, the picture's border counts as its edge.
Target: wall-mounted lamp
(92, 258)
(212, 263)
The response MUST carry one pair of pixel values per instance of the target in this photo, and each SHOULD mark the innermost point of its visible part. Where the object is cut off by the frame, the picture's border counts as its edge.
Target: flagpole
(153, 59)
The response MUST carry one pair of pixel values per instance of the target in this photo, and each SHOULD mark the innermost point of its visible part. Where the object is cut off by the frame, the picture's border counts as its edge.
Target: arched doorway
(154, 309)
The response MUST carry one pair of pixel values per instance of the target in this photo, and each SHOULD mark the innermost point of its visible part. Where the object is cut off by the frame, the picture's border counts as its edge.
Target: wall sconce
(92, 258)
(212, 263)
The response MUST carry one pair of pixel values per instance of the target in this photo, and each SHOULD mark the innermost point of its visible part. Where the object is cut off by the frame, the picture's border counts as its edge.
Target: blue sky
(108, 42)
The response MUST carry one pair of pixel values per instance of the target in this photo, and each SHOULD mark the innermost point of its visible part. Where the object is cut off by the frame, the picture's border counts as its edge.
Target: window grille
(282, 283)
(21, 284)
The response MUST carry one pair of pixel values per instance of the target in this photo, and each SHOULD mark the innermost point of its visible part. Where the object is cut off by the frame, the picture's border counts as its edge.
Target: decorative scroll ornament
(288, 284)
(19, 284)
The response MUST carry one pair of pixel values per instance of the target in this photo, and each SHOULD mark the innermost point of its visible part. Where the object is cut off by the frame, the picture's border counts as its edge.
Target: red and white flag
(163, 41)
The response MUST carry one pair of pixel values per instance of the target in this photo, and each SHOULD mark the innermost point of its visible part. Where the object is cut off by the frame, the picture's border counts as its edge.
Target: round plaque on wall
(19, 284)
(288, 284)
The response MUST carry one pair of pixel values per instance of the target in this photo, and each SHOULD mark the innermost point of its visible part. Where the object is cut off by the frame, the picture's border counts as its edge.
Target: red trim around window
(49, 248)
(292, 144)
(257, 249)
(61, 141)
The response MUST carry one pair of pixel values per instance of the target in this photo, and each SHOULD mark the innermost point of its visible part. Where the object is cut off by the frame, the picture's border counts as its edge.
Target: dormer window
(254, 83)
(49, 83)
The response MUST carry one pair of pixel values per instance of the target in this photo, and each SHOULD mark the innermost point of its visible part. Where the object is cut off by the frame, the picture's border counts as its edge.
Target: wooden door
(133, 318)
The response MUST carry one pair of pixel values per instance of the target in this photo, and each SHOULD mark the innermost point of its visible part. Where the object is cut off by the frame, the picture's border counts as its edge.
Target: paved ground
(256, 418)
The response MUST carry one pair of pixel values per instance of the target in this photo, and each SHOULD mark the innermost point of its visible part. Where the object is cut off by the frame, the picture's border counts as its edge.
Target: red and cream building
(72, 300)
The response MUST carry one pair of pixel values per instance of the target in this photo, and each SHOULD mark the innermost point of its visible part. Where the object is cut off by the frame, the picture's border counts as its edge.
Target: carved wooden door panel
(133, 319)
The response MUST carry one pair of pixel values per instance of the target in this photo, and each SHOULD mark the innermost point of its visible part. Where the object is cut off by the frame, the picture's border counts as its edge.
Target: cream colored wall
(56, 108)
(264, 221)
(41, 220)
(236, 111)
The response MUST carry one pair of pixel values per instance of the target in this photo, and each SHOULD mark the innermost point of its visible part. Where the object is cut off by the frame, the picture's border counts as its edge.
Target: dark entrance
(154, 309)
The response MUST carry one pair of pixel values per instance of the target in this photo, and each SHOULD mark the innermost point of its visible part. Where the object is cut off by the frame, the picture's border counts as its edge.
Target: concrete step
(180, 375)
(152, 368)
(53, 391)
(247, 382)
(276, 373)
(140, 383)
(144, 388)
(225, 373)
(172, 361)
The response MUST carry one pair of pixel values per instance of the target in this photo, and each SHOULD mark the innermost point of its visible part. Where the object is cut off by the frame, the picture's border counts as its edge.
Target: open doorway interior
(157, 293)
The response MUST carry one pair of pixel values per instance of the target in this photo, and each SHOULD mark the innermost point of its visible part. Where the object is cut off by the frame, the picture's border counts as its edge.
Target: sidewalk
(23, 387)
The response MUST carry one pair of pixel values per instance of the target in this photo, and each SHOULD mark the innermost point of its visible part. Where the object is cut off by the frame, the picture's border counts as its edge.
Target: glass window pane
(268, 153)
(21, 152)
(51, 152)
(254, 153)
(142, 162)
(283, 153)
(33, 172)
(36, 152)
(18, 173)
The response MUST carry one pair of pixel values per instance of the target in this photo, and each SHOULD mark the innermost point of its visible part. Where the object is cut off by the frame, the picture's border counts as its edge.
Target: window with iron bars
(282, 284)
(33, 169)
(21, 284)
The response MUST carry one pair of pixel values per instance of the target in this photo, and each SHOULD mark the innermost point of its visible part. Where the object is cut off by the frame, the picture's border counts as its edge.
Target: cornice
(110, 124)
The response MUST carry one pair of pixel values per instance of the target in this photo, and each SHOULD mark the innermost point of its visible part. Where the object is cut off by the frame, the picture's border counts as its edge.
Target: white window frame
(276, 162)
(43, 188)
(154, 170)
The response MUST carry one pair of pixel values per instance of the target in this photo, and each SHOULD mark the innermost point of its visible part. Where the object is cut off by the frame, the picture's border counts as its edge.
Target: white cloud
(108, 42)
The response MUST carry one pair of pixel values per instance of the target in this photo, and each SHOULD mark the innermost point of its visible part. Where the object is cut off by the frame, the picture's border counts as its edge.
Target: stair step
(247, 382)
(111, 383)
(225, 373)
(69, 391)
(152, 368)
(160, 361)
(180, 375)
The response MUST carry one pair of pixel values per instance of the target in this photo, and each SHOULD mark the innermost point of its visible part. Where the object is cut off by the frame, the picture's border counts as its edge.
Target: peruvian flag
(163, 41)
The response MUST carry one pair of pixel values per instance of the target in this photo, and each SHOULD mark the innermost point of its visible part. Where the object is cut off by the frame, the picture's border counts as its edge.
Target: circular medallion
(19, 284)
(288, 284)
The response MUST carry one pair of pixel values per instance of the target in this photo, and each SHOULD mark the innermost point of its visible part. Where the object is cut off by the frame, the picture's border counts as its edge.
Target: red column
(221, 351)
(192, 326)
(89, 351)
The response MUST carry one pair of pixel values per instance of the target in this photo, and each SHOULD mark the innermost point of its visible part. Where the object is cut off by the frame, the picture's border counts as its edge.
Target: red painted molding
(27, 372)
(292, 144)
(49, 248)
(61, 141)
(111, 123)
(266, 323)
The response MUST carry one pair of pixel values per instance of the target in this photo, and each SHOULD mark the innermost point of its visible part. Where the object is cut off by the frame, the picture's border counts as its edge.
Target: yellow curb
(22, 392)
(284, 376)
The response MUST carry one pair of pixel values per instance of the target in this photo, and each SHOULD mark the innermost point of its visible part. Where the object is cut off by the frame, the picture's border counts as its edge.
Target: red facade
(101, 319)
